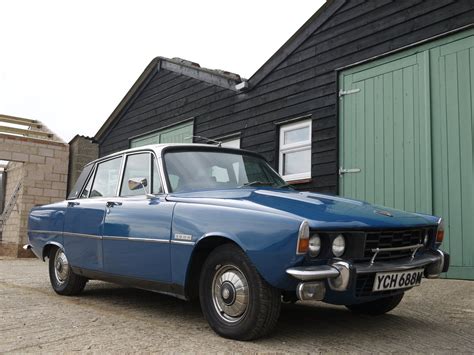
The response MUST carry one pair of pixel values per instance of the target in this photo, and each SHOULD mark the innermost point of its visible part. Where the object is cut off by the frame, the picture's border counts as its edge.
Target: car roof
(158, 148)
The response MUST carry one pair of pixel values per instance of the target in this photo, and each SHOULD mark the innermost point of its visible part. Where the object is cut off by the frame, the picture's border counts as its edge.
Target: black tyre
(378, 307)
(63, 280)
(235, 300)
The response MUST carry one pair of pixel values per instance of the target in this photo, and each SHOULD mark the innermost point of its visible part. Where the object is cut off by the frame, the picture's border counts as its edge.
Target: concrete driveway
(437, 317)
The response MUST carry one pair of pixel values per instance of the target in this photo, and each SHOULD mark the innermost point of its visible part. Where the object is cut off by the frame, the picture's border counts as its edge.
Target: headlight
(303, 238)
(426, 239)
(314, 245)
(338, 245)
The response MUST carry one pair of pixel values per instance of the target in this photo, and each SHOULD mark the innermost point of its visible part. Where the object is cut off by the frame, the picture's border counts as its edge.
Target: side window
(86, 190)
(136, 166)
(295, 151)
(80, 182)
(157, 187)
(106, 178)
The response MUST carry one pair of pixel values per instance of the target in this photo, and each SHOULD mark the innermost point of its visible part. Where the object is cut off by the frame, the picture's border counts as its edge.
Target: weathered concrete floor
(437, 317)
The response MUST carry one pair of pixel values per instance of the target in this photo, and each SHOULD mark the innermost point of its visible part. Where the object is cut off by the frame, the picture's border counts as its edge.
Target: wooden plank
(20, 121)
(379, 150)
(389, 199)
(25, 132)
(409, 156)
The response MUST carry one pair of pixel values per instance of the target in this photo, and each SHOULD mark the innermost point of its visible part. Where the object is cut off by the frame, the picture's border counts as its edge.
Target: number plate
(396, 280)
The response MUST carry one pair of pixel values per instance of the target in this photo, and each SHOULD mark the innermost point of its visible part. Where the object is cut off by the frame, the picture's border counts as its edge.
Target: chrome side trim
(182, 242)
(135, 239)
(81, 235)
(43, 232)
(310, 273)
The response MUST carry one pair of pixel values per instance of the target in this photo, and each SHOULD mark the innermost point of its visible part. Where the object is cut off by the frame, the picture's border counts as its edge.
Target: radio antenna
(219, 144)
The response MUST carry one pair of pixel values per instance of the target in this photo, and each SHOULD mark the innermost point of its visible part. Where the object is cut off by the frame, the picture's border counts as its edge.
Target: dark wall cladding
(304, 83)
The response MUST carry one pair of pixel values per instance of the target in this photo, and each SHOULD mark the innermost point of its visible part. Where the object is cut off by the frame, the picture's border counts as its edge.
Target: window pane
(297, 162)
(296, 135)
(200, 170)
(106, 178)
(157, 189)
(86, 190)
(80, 181)
(137, 166)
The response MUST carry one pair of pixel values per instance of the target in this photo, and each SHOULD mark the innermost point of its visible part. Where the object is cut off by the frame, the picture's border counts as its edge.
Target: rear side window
(106, 178)
(80, 182)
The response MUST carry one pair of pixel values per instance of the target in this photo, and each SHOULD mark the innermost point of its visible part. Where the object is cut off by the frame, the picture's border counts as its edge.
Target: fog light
(314, 245)
(314, 291)
(338, 245)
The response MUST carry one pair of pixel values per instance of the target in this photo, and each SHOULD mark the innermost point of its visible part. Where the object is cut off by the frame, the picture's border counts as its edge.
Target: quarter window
(106, 178)
(295, 151)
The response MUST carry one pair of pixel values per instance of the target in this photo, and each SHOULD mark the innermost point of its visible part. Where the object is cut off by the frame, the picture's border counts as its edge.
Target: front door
(137, 229)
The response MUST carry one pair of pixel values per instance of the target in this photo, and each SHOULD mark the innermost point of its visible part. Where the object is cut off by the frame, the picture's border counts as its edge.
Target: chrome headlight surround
(338, 246)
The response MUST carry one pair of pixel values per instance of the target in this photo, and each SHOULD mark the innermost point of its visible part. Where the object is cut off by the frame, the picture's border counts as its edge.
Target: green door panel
(385, 130)
(407, 122)
(452, 75)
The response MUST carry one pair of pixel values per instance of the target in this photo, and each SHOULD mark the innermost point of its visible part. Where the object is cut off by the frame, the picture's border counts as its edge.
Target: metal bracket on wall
(348, 92)
(343, 171)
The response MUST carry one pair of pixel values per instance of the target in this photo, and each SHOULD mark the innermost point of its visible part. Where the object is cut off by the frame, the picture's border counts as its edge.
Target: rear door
(137, 229)
(84, 219)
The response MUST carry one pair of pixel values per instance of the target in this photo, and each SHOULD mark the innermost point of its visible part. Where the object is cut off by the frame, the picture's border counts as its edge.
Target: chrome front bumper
(338, 274)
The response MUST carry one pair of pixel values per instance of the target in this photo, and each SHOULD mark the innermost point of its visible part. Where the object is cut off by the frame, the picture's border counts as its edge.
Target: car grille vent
(383, 240)
(365, 284)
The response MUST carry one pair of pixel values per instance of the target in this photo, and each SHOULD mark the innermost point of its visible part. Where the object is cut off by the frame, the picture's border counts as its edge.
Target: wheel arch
(47, 248)
(201, 251)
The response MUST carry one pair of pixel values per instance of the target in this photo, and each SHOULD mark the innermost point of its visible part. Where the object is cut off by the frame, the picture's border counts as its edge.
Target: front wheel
(377, 307)
(63, 280)
(235, 300)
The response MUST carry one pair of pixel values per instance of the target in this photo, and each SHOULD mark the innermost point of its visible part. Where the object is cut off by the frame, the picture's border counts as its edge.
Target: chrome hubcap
(230, 293)
(61, 266)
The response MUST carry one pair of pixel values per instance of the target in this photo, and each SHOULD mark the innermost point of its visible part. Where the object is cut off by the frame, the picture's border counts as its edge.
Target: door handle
(73, 203)
(113, 203)
(343, 171)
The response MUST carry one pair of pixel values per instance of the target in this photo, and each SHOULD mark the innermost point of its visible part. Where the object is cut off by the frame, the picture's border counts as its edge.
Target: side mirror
(137, 183)
(140, 183)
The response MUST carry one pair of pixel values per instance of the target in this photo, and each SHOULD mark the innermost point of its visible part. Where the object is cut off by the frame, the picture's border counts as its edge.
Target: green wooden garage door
(406, 121)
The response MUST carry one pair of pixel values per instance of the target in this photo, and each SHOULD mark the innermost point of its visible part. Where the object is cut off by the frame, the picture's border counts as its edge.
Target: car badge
(383, 213)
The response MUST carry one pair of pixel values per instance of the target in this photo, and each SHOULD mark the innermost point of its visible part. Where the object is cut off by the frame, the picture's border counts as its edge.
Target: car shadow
(298, 322)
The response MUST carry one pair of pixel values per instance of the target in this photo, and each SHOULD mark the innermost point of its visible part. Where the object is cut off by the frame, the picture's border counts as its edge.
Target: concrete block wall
(43, 167)
(82, 150)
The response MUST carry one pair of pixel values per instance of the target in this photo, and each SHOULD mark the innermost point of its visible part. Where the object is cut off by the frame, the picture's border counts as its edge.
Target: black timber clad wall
(304, 83)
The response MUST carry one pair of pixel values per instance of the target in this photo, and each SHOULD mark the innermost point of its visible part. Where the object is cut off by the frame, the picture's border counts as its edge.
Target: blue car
(219, 224)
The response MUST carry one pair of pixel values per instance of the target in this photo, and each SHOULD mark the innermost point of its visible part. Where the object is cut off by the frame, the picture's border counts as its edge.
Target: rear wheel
(63, 280)
(235, 300)
(377, 307)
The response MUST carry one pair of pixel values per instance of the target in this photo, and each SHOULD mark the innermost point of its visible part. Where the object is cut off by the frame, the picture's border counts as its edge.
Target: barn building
(372, 100)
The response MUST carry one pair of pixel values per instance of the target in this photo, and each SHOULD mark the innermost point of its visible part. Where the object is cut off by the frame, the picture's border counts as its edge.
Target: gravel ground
(437, 317)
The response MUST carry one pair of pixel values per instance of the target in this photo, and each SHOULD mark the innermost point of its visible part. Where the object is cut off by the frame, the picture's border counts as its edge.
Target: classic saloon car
(219, 224)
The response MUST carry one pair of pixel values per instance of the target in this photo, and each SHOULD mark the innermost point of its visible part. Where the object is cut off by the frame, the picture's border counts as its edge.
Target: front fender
(269, 240)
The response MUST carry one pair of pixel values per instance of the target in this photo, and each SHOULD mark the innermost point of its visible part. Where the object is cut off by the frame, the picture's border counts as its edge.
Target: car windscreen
(203, 170)
(80, 182)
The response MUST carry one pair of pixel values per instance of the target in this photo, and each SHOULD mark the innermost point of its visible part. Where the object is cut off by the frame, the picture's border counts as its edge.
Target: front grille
(365, 284)
(395, 239)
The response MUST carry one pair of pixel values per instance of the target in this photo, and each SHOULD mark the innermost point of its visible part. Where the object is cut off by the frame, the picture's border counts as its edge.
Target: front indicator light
(314, 245)
(440, 231)
(338, 245)
(303, 238)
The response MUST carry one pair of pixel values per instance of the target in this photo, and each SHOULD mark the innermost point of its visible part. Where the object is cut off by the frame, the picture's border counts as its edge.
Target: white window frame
(294, 147)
